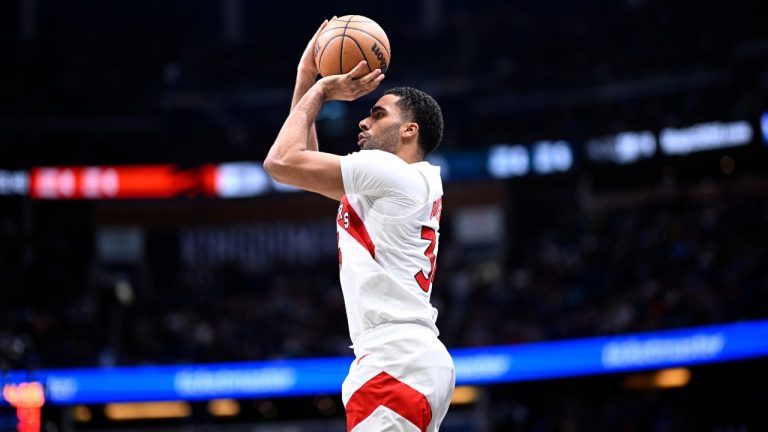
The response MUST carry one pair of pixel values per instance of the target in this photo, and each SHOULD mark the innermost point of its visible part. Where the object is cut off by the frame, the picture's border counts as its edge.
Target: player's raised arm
(290, 160)
(306, 74)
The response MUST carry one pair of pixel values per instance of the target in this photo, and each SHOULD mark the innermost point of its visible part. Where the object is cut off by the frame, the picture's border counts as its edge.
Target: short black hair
(422, 109)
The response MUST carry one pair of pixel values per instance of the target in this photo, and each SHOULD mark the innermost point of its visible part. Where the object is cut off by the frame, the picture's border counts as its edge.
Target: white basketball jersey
(387, 227)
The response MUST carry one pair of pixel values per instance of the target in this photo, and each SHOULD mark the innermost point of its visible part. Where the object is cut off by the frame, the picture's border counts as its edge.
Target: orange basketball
(348, 40)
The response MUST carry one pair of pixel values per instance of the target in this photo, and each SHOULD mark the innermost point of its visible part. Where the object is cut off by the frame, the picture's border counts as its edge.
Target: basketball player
(402, 377)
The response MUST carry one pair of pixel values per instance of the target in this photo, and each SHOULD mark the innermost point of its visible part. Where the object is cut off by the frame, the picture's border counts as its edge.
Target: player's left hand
(346, 87)
(307, 63)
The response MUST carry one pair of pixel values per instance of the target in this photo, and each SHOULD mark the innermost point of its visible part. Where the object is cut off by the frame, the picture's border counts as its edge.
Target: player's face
(381, 129)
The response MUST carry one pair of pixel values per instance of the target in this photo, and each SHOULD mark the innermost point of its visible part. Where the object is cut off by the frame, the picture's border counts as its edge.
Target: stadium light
(147, 410)
(704, 137)
(505, 161)
(663, 379)
(28, 398)
(224, 407)
(764, 126)
(464, 395)
(623, 148)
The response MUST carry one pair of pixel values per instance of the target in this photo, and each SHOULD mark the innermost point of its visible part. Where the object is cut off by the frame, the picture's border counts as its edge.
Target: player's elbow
(279, 168)
(272, 166)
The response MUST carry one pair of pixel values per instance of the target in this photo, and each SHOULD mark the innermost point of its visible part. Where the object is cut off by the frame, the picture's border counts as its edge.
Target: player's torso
(387, 263)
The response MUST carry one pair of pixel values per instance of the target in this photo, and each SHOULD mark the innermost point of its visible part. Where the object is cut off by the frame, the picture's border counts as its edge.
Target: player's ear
(410, 130)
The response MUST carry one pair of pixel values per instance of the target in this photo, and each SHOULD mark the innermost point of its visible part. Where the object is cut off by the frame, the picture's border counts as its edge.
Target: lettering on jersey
(348, 219)
(437, 209)
(343, 217)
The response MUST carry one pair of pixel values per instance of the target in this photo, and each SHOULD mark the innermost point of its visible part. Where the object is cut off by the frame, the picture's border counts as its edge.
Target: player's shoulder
(379, 163)
(379, 156)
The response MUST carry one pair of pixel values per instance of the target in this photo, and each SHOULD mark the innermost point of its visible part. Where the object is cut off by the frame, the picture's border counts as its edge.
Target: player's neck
(409, 153)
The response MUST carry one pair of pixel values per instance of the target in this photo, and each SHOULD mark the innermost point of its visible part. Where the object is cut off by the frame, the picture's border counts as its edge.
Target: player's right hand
(346, 87)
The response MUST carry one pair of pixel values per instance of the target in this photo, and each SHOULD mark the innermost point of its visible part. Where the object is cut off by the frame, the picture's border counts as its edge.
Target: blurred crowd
(603, 250)
(117, 83)
(191, 82)
(653, 262)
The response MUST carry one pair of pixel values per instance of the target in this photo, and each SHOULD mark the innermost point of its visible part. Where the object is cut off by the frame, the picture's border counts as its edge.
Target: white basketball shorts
(402, 379)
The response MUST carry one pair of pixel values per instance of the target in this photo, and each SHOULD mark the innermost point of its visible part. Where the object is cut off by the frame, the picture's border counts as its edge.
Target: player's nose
(363, 125)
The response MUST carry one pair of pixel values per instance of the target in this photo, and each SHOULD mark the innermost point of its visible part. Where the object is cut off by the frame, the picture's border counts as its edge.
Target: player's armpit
(309, 170)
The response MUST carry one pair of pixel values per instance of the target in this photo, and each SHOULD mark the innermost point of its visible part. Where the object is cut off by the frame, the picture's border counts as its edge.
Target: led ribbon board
(499, 364)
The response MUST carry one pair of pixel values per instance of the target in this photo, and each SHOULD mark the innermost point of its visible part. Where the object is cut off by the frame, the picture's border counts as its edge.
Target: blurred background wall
(605, 171)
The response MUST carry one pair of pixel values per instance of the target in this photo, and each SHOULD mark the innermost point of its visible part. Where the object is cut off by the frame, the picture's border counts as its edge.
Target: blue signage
(764, 127)
(499, 364)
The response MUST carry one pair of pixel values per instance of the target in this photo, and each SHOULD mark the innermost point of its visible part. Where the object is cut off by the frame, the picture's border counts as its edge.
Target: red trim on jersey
(356, 227)
(386, 390)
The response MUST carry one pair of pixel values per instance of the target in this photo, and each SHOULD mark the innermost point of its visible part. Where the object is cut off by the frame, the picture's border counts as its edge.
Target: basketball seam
(363, 53)
(383, 45)
(341, 48)
(320, 57)
(326, 30)
(352, 17)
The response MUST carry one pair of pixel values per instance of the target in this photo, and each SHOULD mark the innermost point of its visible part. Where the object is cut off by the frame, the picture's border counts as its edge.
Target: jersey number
(423, 280)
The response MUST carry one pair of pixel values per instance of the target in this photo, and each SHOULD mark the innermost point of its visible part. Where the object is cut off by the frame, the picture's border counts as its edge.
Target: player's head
(403, 114)
(418, 107)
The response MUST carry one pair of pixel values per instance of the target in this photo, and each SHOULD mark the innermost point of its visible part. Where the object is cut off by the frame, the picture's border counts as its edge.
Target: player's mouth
(360, 138)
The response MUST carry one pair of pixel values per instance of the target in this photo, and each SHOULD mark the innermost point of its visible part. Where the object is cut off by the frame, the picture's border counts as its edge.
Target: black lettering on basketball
(379, 56)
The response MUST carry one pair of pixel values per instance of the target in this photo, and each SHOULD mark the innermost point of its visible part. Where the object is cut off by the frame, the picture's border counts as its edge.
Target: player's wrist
(322, 88)
(306, 72)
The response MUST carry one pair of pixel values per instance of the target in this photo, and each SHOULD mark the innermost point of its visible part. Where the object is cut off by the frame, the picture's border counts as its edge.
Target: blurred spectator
(628, 266)
(116, 83)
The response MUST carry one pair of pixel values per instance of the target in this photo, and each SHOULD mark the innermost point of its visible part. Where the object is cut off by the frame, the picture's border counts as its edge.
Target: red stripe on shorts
(355, 226)
(386, 390)
(361, 358)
